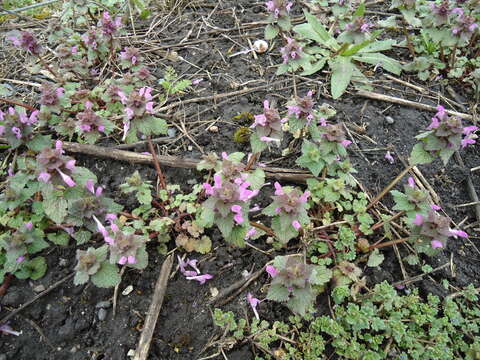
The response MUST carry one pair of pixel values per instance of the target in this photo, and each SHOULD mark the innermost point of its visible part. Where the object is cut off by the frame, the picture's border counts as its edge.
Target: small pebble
(39, 288)
(131, 353)
(389, 120)
(102, 314)
(103, 304)
(213, 129)
(214, 292)
(190, 148)
(260, 46)
(127, 290)
(62, 262)
(192, 181)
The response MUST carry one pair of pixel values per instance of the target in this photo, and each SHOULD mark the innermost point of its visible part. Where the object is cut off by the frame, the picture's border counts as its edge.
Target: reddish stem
(12, 102)
(6, 283)
(156, 164)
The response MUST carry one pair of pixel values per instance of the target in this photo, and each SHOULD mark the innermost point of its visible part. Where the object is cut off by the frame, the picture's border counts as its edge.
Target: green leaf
(378, 46)
(375, 258)
(80, 278)
(37, 245)
(271, 32)
(277, 292)
(257, 145)
(61, 239)
(310, 69)
(158, 126)
(39, 142)
(55, 208)
(360, 10)
(82, 174)
(389, 64)
(237, 236)
(82, 236)
(107, 276)
(446, 154)
(419, 155)
(300, 302)
(342, 71)
(38, 267)
(256, 178)
(203, 245)
(320, 275)
(142, 259)
(236, 156)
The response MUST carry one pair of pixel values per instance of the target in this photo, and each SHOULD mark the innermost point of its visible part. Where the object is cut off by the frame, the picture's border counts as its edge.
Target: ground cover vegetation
(322, 231)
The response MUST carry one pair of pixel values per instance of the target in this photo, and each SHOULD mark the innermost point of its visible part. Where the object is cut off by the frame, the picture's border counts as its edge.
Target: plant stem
(49, 69)
(381, 223)
(389, 186)
(388, 243)
(263, 227)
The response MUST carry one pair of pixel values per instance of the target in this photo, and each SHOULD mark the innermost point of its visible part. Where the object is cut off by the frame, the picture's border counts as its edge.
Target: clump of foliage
(296, 283)
(381, 325)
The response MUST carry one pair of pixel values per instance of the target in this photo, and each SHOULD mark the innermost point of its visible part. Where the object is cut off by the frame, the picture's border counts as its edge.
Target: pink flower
(278, 189)
(345, 143)
(238, 218)
(253, 303)
(411, 182)
(66, 179)
(418, 220)
(2, 129)
(434, 125)
(271, 271)
(6, 329)
(126, 127)
(304, 197)
(196, 81)
(469, 129)
(122, 260)
(17, 132)
(269, 139)
(435, 207)
(149, 107)
(131, 260)
(389, 157)
(101, 229)
(70, 165)
(200, 278)
(250, 233)
(436, 244)
(130, 113)
(44, 177)
(236, 209)
(467, 141)
(29, 225)
(296, 225)
(460, 233)
(89, 186)
(20, 259)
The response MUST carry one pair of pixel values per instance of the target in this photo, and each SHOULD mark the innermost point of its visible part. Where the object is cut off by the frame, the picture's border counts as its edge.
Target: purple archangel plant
(295, 283)
(293, 56)
(445, 135)
(300, 111)
(412, 200)
(228, 202)
(17, 127)
(139, 115)
(267, 128)
(327, 150)
(25, 41)
(194, 274)
(279, 17)
(288, 212)
(92, 265)
(430, 233)
(356, 32)
(52, 99)
(54, 167)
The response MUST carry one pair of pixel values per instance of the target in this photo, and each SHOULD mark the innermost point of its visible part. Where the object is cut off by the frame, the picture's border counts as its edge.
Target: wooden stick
(389, 187)
(420, 106)
(297, 176)
(154, 310)
(470, 186)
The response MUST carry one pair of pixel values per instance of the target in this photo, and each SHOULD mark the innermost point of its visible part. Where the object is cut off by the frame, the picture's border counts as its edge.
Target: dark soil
(68, 323)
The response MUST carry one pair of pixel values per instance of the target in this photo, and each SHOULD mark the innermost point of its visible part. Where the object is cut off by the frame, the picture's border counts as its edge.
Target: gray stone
(102, 314)
(389, 120)
(103, 304)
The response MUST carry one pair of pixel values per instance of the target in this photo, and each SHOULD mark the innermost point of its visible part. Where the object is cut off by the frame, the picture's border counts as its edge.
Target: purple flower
(418, 220)
(44, 177)
(200, 278)
(70, 164)
(469, 129)
(101, 229)
(435, 207)
(291, 51)
(109, 27)
(278, 189)
(435, 124)
(411, 182)
(296, 225)
(269, 139)
(436, 244)
(250, 233)
(66, 179)
(278, 8)
(29, 225)
(345, 143)
(2, 129)
(467, 141)
(253, 303)
(271, 271)
(6, 329)
(196, 81)
(17, 132)
(389, 157)
(20, 259)
(26, 41)
(460, 233)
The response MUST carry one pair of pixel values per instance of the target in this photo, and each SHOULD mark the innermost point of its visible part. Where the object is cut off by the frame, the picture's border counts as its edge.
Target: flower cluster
(293, 280)
(130, 56)
(301, 108)
(440, 12)
(88, 120)
(194, 274)
(279, 8)
(289, 212)
(291, 51)
(432, 231)
(109, 27)
(17, 126)
(54, 167)
(138, 105)
(465, 25)
(413, 200)
(268, 128)
(228, 201)
(357, 31)
(51, 97)
(25, 41)
(445, 136)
